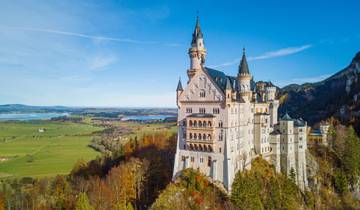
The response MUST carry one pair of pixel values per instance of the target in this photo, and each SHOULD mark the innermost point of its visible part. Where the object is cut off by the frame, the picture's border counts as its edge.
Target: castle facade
(224, 122)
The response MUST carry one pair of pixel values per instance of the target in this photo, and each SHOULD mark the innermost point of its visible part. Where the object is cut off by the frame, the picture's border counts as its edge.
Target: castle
(224, 122)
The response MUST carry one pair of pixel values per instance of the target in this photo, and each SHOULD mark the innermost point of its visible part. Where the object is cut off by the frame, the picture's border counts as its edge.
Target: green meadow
(24, 151)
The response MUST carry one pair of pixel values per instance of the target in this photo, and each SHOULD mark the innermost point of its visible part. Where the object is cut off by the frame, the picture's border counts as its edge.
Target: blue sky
(131, 53)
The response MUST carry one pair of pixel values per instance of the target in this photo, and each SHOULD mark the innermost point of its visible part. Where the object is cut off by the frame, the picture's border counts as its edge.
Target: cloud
(101, 62)
(96, 39)
(272, 54)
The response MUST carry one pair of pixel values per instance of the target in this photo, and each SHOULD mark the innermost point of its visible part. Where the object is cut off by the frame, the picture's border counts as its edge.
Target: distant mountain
(20, 108)
(338, 96)
(90, 111)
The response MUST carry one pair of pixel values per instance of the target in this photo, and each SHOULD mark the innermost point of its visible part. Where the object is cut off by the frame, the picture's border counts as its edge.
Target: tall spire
(228, 84)
(197, 51)
(243, 67)
(197, 31)
(179, 86)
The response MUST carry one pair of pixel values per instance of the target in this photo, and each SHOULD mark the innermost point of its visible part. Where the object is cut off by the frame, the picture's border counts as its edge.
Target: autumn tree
(83, 203)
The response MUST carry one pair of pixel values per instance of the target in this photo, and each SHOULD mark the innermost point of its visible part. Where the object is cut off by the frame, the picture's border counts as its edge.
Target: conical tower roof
(197, 32)
(179, 86)
(243, 67)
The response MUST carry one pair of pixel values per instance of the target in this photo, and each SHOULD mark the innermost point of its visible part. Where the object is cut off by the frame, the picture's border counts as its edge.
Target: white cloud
(96, 39)
(272, 54)
(101, 62)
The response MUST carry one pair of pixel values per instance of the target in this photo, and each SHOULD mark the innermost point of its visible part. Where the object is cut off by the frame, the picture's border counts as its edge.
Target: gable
(202, 88)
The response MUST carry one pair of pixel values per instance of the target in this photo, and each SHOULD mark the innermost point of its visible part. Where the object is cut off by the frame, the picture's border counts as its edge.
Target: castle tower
(324, 128)
(270, 96)
(287, 157)
(244, 78)
(300, 144)
(197, 51)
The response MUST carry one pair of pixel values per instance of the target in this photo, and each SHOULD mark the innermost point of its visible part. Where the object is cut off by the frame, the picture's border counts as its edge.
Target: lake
(30, 116)
(146, 117)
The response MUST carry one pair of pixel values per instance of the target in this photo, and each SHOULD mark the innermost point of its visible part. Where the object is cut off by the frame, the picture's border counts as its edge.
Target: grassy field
(139, 129)
(26, 152)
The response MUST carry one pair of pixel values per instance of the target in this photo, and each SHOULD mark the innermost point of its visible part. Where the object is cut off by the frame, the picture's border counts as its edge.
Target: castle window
(216, 111)
(183, 158)
(190, 136)
(199, 136)
(220, 124)
(202, 93)
(200, 124)
(184, 146)
(209, 161)
(209, 123)
(209, 137)
(204, 123)
(192, 159)
(195, 123)
(190, 123)
(201, 160)
(219, 149)
(188, 110)
(204, 136)
(202, 110)
(300, 146)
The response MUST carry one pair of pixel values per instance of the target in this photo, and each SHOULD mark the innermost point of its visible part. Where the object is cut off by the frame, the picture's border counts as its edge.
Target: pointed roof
(197, 31)
(243, 67)
(228, 84)
(286, 117)
(179, 86)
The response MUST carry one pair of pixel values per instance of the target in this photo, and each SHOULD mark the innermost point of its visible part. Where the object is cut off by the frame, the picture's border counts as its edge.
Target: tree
(341, 182)
(351, 157)
(83, 203)
(2, 201)
(292, 175)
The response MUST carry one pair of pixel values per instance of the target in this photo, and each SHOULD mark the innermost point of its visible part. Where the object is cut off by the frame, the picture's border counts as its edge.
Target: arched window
(205, 148)
(204, 136)
(220, 124)
(195, 123)
(191, 147)
(210, 148)
(200, 148)
(196, 147)
(195, 136)
(200, 124)
(204, 123)
(202, 93)
(190, 136)
(199, 136)
(209, 123)
(209, 137)
(190, 123)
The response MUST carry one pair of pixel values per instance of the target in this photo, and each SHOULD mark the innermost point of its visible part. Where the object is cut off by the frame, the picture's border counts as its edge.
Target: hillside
(335, 96)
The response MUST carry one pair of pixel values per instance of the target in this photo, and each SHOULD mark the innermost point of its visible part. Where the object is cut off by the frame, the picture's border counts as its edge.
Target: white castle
(224, 122)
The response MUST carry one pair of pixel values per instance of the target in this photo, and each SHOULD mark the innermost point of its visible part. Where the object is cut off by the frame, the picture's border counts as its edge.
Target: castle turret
(228, 91)
(197, 51)
(270, 96)
(244, 78)
(179, 90)
(324, 128)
